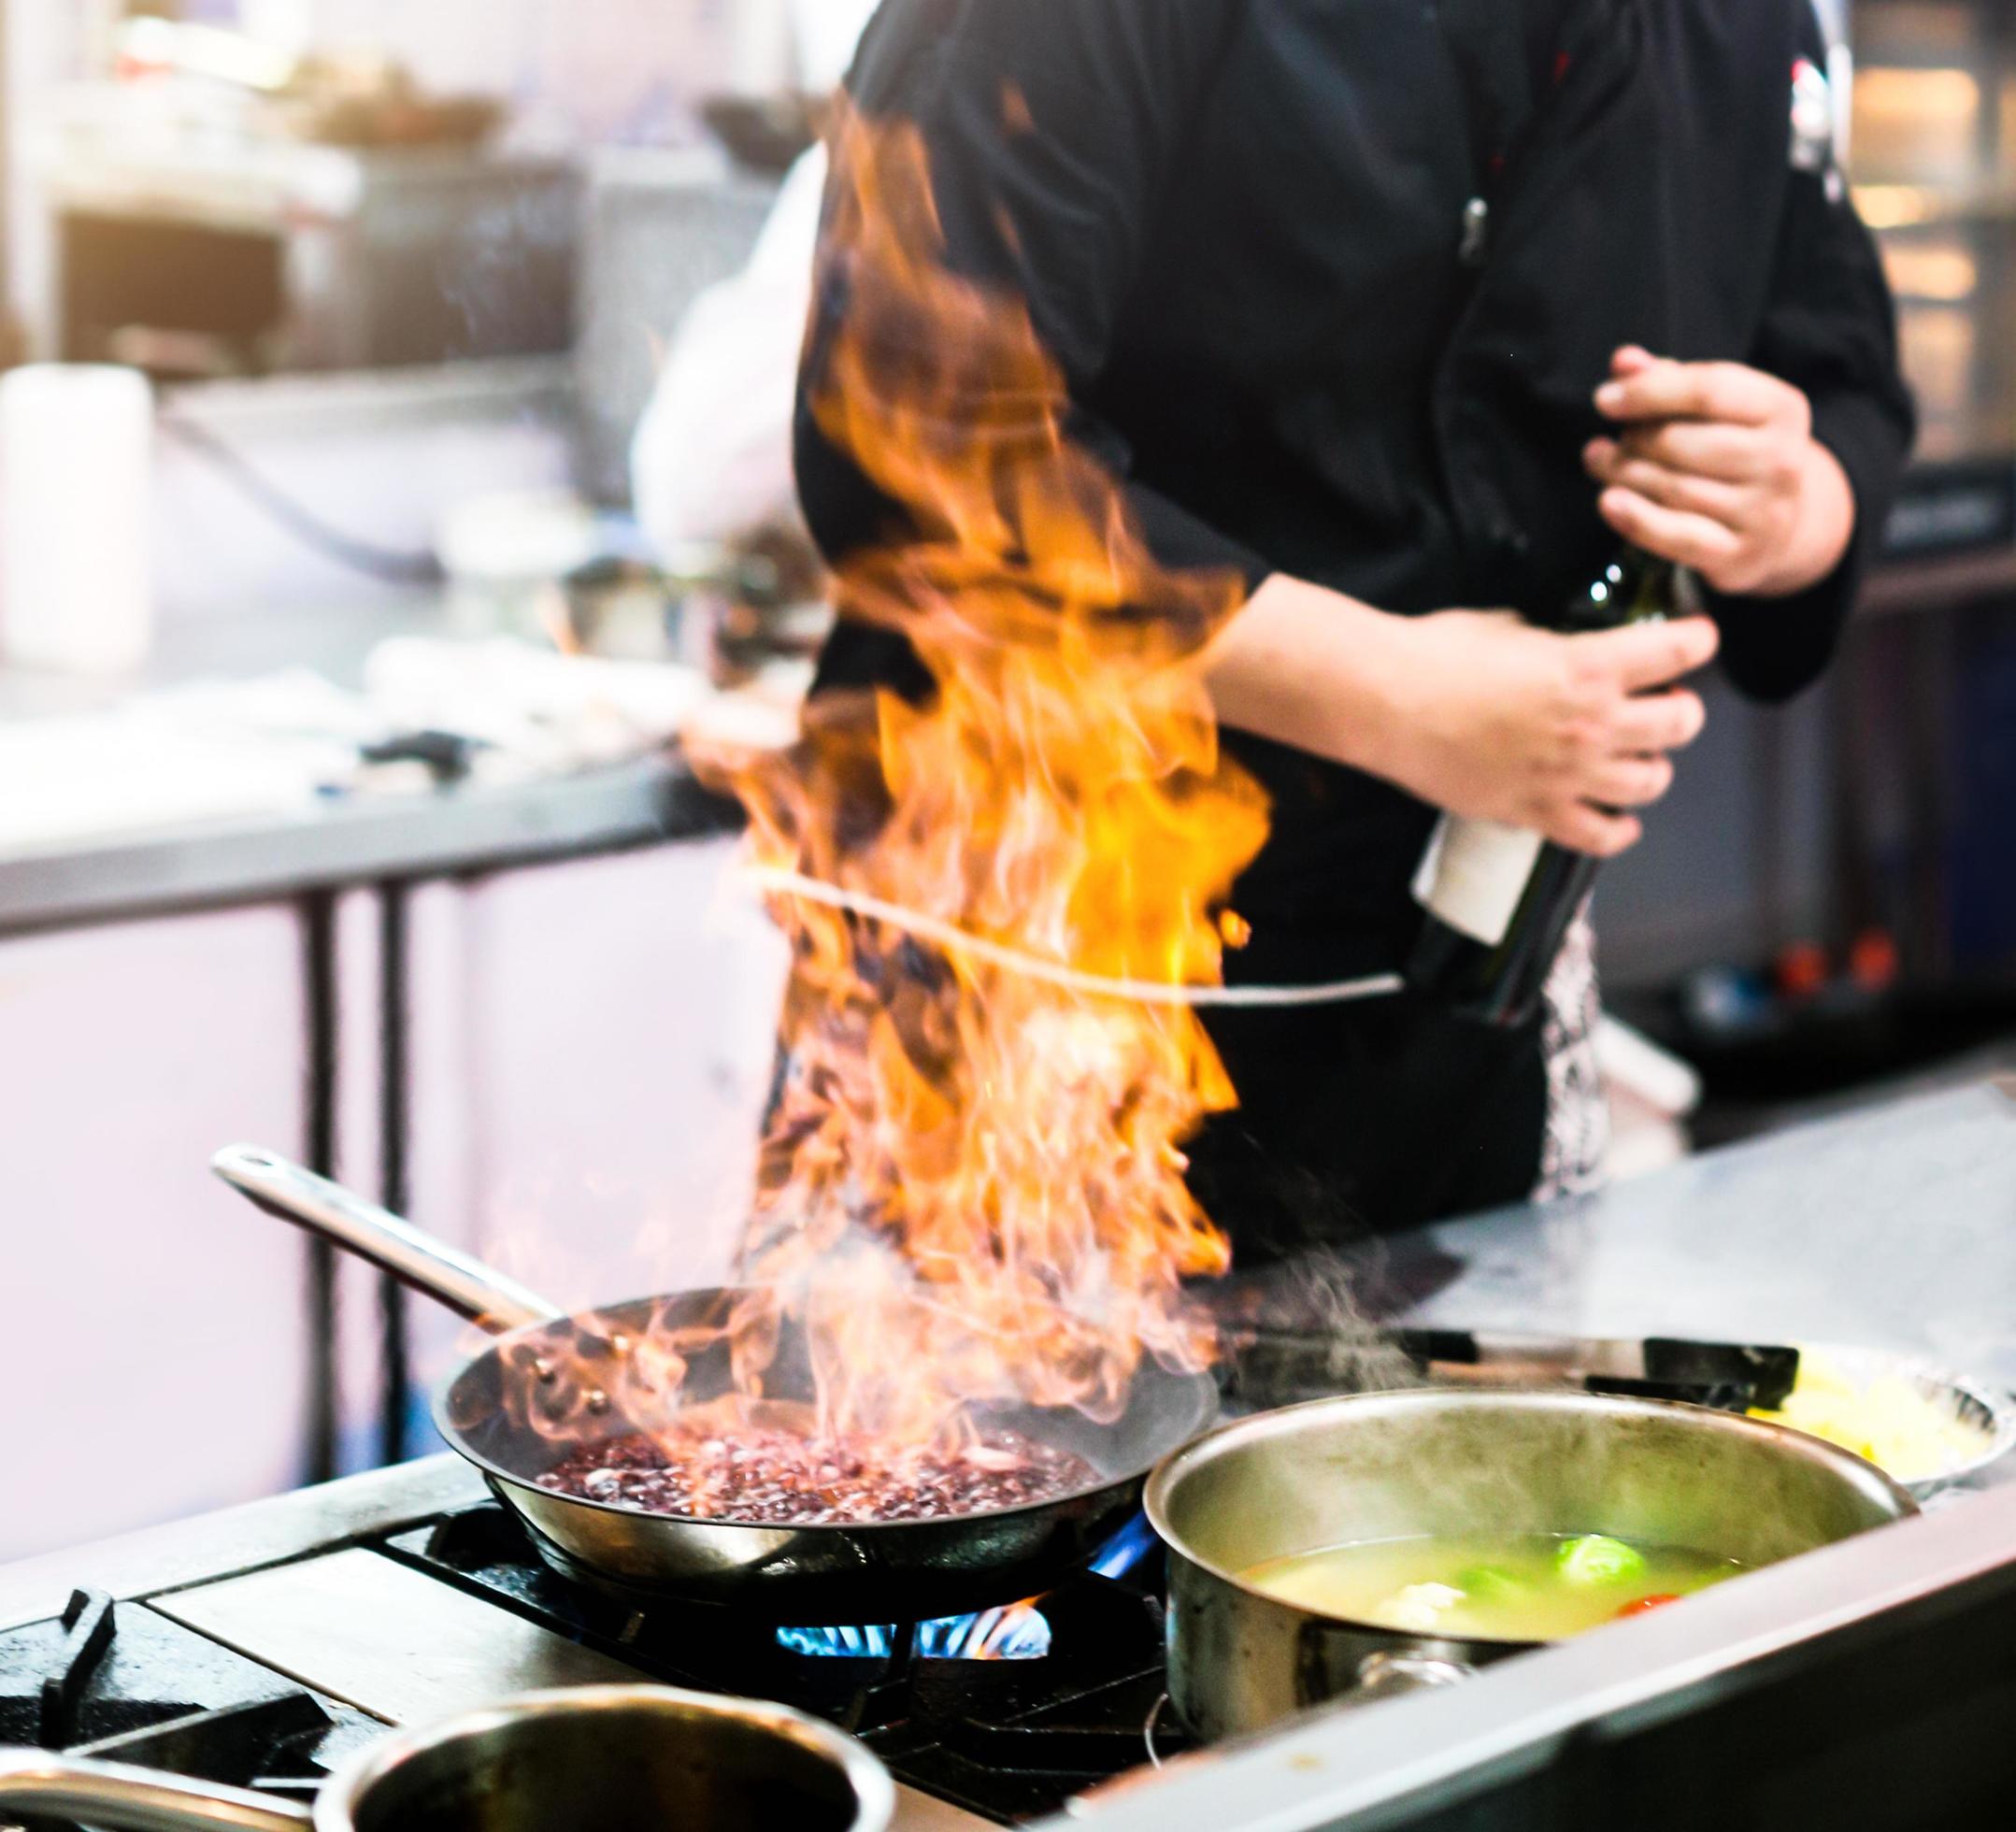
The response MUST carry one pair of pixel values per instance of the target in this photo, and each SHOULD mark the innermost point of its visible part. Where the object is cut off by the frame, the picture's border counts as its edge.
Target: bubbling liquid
(1529, 1587)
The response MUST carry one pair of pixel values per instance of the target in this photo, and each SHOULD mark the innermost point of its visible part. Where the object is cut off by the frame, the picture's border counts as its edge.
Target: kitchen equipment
(77, 463)
(254, 252)
(1390, 1465)
(907, 1570)
(1732, 1376)
(615, 1758)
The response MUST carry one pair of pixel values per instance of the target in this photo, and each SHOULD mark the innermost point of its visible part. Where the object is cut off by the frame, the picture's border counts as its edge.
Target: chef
(1409, 313)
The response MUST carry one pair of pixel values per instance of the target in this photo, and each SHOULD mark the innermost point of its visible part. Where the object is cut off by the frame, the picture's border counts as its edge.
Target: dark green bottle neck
(1635, 588)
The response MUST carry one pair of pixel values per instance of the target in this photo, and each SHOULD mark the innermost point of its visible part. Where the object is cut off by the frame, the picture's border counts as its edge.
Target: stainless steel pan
(495, 1413)
(627, 1758)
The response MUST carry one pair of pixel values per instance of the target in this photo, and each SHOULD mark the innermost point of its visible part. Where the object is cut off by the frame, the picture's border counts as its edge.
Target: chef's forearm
(1310, 667)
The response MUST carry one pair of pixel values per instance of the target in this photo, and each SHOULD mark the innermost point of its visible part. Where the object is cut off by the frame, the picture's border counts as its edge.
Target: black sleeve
(1050, 127)
(1831, 331)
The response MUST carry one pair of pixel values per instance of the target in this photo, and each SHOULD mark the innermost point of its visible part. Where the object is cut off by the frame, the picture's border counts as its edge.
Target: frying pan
(890, 1571)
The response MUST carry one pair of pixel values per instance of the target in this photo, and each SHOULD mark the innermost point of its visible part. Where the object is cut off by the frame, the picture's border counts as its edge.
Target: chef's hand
(1473, 711)
(1495, 720)
(1715, 466)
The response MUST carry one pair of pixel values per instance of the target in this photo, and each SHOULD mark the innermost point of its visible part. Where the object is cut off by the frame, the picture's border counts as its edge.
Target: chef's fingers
(1687, 541)
(1645, 655)
(1736, 454)
(1652, 723)
(1633, 359)
(1629, 781)
(1693, 391)
(1595, 831)
(1659, 483)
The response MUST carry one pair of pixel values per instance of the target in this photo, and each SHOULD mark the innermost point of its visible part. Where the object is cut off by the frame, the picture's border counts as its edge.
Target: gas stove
(268, 1675)
(1865, 1686)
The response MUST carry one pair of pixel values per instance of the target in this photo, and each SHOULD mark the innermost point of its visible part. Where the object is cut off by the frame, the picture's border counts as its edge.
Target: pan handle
(466, 1285)
(135, 1799)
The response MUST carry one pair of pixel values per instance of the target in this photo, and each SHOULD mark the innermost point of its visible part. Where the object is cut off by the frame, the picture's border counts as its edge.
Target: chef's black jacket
(1240, 227)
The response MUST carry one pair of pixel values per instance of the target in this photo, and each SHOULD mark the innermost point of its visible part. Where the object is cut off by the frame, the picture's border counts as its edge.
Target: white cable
(780, 882)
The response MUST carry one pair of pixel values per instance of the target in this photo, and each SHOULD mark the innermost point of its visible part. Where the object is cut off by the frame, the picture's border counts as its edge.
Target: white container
(77, 450)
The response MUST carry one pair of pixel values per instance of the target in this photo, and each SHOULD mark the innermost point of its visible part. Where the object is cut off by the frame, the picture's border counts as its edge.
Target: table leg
(318, 915)
(396, 1381)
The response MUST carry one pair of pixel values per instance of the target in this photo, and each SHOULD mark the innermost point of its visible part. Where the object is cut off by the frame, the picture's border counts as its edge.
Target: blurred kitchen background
(412, 484)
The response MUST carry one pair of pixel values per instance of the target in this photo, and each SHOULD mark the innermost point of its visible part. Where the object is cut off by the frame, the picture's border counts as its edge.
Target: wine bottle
(1499, 900)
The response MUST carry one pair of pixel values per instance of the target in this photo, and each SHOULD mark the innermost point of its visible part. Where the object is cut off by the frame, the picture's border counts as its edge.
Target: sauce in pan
(765, 1477)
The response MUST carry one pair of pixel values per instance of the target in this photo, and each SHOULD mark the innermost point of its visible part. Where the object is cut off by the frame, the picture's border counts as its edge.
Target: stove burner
(1018, 1632)
(1008, 1739)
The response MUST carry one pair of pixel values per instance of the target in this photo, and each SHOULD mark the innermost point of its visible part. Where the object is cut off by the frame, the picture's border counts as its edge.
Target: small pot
(594, 1759)
(1394, 1465)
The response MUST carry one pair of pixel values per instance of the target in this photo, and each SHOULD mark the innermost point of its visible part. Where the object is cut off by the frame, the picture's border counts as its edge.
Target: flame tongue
(972, 1186)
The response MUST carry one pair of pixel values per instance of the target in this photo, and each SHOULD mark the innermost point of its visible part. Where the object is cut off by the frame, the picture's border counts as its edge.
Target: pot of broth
(1357, 1547)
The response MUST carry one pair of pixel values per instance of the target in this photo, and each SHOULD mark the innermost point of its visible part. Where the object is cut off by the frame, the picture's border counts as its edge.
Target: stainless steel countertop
(453, 832)
(1890, 1228)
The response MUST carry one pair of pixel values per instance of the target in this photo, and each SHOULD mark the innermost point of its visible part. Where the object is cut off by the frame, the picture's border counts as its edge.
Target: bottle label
(1474, 875)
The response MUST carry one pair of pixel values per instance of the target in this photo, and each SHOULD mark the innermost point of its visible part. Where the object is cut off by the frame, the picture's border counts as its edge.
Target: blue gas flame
(1016, 1631)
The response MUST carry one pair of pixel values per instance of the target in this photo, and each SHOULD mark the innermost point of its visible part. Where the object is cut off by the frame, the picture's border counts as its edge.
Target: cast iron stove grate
(119, 1680)
(1010, 1739)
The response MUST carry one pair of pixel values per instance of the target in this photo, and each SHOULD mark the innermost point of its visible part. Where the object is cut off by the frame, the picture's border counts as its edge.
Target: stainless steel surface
(386, 254)
(1401, 1464)
(1383, 1675)
(398, 1645)
(128, 1799)
(444, 1273)
(239, 1538)
(451, 832)
(516, 1408)
(1888, 1228)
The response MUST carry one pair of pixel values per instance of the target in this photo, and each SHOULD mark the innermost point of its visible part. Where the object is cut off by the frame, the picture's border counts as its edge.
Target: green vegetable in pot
(1490, 1583)
(1597, 1559)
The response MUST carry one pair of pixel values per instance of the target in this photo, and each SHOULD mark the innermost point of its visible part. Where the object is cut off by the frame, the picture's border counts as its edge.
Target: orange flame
(972, 1187)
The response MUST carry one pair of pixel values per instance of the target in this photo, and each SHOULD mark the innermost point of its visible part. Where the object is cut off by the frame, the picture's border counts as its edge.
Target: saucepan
(1395, 1465)
(889, 1571)
(597, 1759)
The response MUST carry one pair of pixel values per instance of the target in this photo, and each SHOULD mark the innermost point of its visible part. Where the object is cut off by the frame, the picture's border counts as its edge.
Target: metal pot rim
(1285, 1421)
(874, 1791)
